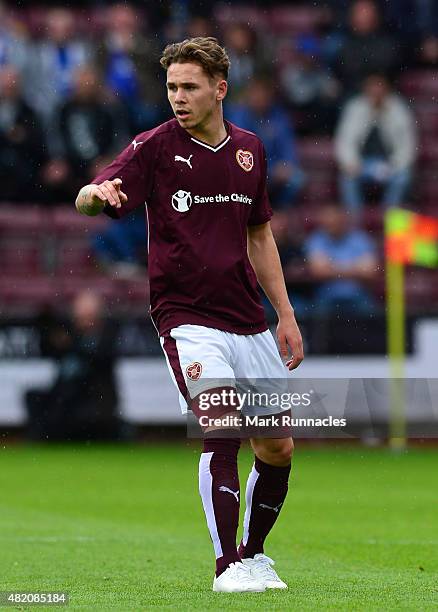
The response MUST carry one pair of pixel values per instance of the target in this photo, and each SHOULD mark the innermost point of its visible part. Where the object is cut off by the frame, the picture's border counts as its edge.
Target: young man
(204, 183)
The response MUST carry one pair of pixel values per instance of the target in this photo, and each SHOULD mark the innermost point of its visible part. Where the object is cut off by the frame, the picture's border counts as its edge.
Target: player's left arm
(265, 260)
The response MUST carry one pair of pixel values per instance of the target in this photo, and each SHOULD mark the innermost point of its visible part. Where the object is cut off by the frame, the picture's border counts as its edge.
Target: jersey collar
(206, 145)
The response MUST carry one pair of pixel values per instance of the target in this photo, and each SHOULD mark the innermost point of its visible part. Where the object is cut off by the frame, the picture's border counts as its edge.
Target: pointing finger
(111, 195)
(97, 193)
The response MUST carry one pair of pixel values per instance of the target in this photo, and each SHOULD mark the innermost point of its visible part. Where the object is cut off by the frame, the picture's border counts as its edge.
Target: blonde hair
(202, 50)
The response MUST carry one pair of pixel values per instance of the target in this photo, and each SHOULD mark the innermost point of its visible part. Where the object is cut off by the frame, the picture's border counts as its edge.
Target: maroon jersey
(200, 200)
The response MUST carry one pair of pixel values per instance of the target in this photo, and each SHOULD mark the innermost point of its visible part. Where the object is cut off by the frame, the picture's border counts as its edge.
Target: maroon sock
(266, 491)
(219, 490)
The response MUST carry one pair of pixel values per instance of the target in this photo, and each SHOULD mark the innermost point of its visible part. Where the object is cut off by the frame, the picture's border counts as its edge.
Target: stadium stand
(46, 253)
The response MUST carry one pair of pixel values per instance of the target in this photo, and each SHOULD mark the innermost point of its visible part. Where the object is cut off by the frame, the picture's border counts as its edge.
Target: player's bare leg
(266, 491)
(220, 492)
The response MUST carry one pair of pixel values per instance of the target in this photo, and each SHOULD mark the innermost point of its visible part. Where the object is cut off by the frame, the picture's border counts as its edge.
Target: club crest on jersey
(194, 370)
(182, 200)
(245, 159)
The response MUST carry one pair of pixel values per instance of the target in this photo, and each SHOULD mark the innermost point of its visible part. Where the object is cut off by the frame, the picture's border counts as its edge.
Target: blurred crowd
(82, 401)
(77, 85)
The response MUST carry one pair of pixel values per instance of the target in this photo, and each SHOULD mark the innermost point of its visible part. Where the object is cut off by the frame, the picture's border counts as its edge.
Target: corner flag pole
(410, 238)
(396, 342)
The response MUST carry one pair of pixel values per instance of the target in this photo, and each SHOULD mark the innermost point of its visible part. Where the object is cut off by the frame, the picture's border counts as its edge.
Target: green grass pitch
(121, 528)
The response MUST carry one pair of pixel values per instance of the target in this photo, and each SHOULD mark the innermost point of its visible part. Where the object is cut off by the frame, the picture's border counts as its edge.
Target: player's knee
(284, 451)
(274, 452)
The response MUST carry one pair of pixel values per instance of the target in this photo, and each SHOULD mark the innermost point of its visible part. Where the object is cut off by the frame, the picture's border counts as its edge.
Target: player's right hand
(109, 192)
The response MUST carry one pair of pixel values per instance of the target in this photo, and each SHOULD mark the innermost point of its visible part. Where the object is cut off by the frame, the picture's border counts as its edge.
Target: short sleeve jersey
(199, 201)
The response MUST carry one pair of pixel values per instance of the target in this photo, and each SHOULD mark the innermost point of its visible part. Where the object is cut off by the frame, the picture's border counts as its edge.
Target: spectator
(416, 22)
(289, 238)
(121, 249)
(129, 62)
(310, 89)
(428, 52)
(200, 26)
(367, 47)
(413, 18)
(375, 142)
(82, 403)
(90, 128)
(246, 56)
(264, 116)
(331, 24)
(343, 261)
(53, 63)
(21, 151)
(13, 40)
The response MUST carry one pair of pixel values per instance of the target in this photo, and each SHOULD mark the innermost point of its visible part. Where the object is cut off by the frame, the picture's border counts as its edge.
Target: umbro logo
(135, 143)
(227, 490)
(184, 160)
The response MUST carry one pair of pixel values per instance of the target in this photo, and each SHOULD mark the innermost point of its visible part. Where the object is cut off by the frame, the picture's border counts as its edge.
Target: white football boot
(238, 578)
(261, 568)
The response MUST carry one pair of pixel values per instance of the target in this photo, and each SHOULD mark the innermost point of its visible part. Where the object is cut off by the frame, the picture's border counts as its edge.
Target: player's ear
(221, 89)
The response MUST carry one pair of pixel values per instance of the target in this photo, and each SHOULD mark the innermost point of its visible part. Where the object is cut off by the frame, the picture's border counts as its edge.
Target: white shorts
(201, 358)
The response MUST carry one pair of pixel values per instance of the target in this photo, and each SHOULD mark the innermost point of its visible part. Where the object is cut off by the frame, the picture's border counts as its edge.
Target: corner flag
(412, 239)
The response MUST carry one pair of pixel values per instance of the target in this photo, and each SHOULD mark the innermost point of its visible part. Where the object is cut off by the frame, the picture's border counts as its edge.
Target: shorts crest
(194, 370)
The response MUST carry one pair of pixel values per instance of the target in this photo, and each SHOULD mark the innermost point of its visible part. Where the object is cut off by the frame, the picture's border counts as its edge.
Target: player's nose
(180, 96)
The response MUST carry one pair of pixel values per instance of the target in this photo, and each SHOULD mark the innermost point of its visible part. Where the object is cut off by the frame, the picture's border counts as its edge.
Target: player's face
(194, 96)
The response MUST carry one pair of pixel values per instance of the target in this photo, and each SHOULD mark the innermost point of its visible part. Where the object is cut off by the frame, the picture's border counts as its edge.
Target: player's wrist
(285, 311)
